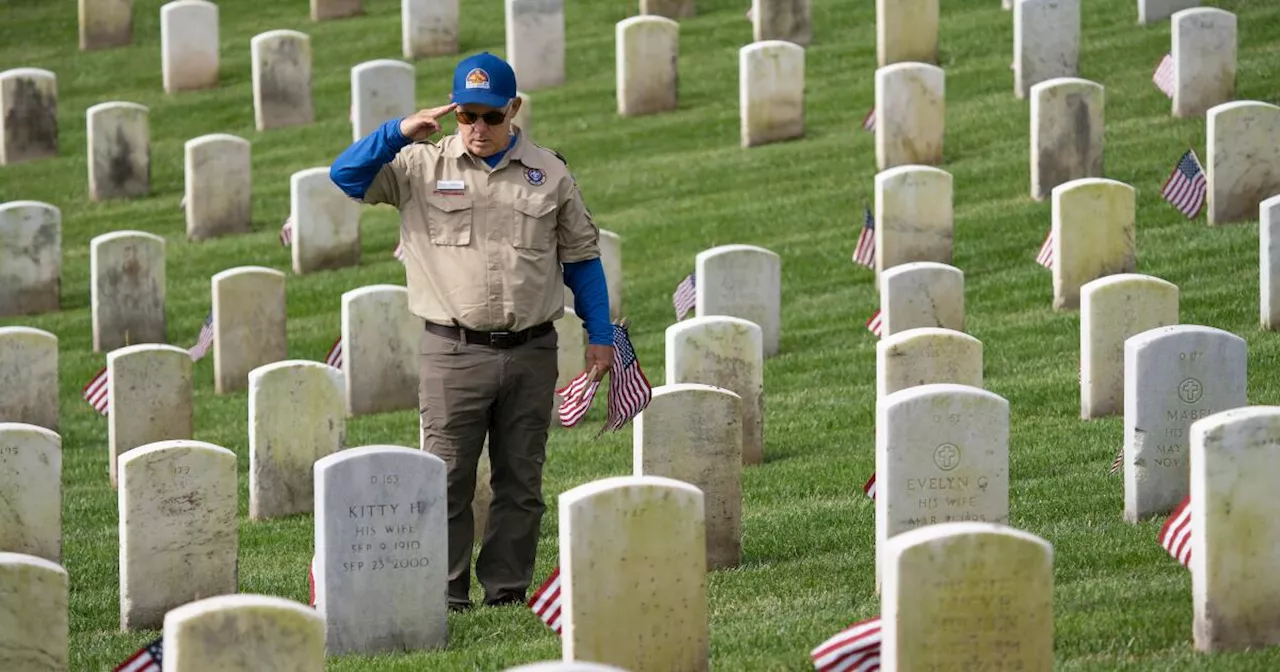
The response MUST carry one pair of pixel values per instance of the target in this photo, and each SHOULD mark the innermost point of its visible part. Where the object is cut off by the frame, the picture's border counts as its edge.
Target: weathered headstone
(28, 115)
(742, 281)
(924, 356)
(248, 324)
(921, 294)
(281, 61)
(1093, 235)
(37, 632)
(942, 455)
(31, 486)
(189, 45)
(571, 351)
(244, 633)
(648, 49)
(297, 415)
(429, 28)
(1244, 159)
(906, 31)
(119, 151)
(913, 213)
(975, 595)
(380, 349)
(724, 352)
(29, 377)
(127, 289)
(1046, 42)
(563, 666)
(1269, 262)
(611, 258)
(1111, 310)
(633, 560)
(219, 186)
(326, 223)
(178, 538)
(105, 24)
(770, 92)
(323, 10)
(535, 42)
(380, 90)
(693, 433)
(30, 258)
(1066, 133)
(381, 558)
(787, 20)
(1204, 60)
(1236, 544)
(1151, 11)
(672, 9)
(1173, 376)
(911, 110)
(150, 397)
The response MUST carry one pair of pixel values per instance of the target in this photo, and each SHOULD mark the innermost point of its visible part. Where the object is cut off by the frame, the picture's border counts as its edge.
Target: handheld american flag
(334, 358)
(95, 392)
(545, 601)
(629, 390)
(869, 121)
(865, 252)
(576, 397)
(1163, 76)
(854, 649)
(286, 232)
(1186, 187)
(398, 253)
(147, 659)
(685, 298)
(869, 488)
(203, 341)
(875, 324)
(1045, 256)
(1175, 534)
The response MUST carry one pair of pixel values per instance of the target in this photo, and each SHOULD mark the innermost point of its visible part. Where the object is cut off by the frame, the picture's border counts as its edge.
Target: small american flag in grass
(545, 601)
(1118, 463)
(869, 121)
(95, 392)
(147, 659)
(629, 390)
(1045, 256)
(685, 298)
(203, 341)
(1175, 534)
(286, 232)
(576, 398)
(875, 324)
(869, 488)
(865, 251)
(1186, 188)
(854, 649)
(1163, 76)
(334, 358)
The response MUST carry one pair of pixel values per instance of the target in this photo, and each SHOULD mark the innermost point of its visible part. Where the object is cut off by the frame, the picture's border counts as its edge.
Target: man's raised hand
(424, 123)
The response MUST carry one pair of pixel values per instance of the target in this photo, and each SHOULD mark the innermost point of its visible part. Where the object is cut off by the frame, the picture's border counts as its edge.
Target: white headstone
(647, 55)
(323, 10)
(28, 115)
(906, 31)
(913, 214)
(1243, 166)
(1046, 42)
(524, 116)
(563, 666)
(1111, 310)
(788, 20)
(1066, 133)
(911, 108)
(428, 28)
(243, 633)
(381, 90)
(672, 9)
(37, 632)
(29, 377)
(281, 64)
(381, 557)
(724, 352)
(770, 92)
(693, 433)
(924, 356)
(571, 351)
(535, 42)
(326, 223)
(1236, 544)
(611, 258)
(1151, 11)
(149, 394)
(105, 23)
(297, 415)
(127, 289)
(973, 595)
(219, 186)
(31, 487)
(942, 455)
(189, 45)
(119, 151)
(379, 349)
(30, 258)
(1093, 235)
(633, 561)
(921, 294)
(178, 538)
(248, 324)
(1204, 60)
(1269, 262)
(742, 281)
(1173, 376)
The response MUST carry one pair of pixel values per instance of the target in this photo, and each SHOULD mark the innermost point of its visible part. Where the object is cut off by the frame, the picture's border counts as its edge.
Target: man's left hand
(600, 358)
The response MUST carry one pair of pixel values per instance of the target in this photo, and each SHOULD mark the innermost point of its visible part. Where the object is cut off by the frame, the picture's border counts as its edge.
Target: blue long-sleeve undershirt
(590, 298)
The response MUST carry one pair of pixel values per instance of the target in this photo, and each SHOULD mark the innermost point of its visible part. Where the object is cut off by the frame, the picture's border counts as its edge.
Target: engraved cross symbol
(1190, 390)
(947, 457)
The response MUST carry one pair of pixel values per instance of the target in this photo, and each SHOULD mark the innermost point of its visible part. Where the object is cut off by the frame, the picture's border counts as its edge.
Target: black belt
(493, 339)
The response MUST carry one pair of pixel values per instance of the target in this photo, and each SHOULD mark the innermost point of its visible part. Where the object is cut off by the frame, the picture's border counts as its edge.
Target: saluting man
(492, 226)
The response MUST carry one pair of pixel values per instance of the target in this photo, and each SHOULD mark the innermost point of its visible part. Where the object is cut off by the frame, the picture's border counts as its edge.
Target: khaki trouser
(466, 391)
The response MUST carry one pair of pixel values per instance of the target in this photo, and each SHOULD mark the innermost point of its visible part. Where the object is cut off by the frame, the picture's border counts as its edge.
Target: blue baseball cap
(484, 79)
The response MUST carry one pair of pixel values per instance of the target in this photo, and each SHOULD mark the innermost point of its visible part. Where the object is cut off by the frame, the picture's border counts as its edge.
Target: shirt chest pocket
(535, 223)
(449, 219)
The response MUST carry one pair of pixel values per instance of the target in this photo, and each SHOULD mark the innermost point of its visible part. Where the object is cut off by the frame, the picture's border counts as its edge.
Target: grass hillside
(672, 185)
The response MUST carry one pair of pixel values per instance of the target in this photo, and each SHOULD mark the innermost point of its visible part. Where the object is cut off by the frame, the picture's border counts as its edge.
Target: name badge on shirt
(451, 186)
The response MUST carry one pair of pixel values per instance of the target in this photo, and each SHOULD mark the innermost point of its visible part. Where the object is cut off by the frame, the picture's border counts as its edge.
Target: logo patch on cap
(477, 79)
(534, 176)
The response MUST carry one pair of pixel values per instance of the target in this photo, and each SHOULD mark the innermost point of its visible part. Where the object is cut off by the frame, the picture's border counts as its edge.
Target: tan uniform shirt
(484, 247)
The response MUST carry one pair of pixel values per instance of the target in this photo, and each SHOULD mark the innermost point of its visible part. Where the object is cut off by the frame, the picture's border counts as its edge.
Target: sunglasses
(491, 118)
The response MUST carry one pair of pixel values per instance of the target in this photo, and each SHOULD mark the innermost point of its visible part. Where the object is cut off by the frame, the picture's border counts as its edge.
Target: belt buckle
(503, 339)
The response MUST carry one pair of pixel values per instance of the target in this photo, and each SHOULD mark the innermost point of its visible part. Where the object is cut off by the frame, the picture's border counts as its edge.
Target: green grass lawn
(673, 185)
